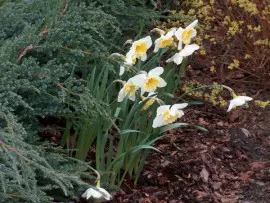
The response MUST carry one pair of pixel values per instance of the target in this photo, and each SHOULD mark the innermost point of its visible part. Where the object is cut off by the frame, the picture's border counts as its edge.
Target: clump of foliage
(46, 48)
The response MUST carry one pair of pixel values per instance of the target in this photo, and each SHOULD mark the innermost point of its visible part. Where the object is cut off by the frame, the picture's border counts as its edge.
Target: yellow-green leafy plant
(234, 32)
(213, 95)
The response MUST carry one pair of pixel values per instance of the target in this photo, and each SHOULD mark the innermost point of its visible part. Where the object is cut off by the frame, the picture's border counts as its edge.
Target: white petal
(171, 32)
(156, 72)
(170, 59)
(122, 70)
(130, 53)
(235, 102)
(193, 24)
(194, 33)
(176, 107)
(245, 98)
(189, 49)
(158, 121)
(177, 59)
(162, 83)
(157, 45)
(129, 56)
(132, 98)
(162, 109)
(231, 106)
(96, 194)
(104, 192)
(142, 90)
(92, 193)
(238, 101)
(148, 41)
(179, 47)
(84, 195)
(121, 95)
(144, 57)
(178, 33)
(180, 113)
(138, 80)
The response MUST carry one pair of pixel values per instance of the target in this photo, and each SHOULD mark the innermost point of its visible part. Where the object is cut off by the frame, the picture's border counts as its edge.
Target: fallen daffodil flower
(238, 101)
(164, 40)
(185, 35)
(149, 82)
(187, 51)
(140, 47)
(167, 114)
(97, 193)
(129, 89)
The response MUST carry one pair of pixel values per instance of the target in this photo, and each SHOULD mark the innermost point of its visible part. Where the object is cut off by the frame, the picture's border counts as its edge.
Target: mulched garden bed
(229, 164)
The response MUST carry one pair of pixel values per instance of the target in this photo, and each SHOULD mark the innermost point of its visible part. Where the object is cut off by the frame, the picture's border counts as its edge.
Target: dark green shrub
(46, 48)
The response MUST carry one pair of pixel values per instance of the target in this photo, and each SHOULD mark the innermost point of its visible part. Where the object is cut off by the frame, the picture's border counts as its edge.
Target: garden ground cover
(230, 163)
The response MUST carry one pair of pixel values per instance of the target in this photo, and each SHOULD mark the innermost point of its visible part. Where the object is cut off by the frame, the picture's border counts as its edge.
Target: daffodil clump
(144, 108)
(150, 82)
(146, 84)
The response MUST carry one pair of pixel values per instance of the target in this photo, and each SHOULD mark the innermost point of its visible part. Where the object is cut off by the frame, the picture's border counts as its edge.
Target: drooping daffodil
(129, 60)
(185, 35)
(164, 40)
(167, 114)
(187, 51)
(151, 98)
(97, 193)
(129, 89)
(140, 47)
(149, 82)
(238, 101)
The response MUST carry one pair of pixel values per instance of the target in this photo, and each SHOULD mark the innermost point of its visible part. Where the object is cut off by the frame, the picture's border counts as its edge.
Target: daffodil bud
(157, 30)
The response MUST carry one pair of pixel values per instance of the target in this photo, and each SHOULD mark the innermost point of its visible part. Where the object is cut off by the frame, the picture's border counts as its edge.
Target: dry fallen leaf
(257, 165)
(245, 176)
(200, 194)
(202, 122)
(246, 132)
(204, 175)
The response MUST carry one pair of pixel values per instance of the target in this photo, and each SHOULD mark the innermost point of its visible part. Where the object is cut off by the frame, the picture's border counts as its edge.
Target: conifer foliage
(45, 48)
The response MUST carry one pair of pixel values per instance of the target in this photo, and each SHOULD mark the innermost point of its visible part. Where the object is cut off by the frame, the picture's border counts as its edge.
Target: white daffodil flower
(129, 89)
(167, 114)
(140, 47)
(238, 101)
(187, 51)
(97, 193)
(149, 82)
(164, 40)
(129, 60)
(185, 35)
